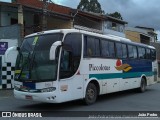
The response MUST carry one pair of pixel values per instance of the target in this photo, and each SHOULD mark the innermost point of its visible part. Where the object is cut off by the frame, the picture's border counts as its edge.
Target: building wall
(28, 23)
(113, 28)
(134, 36)
(54, 23)
(7, 67)
(88, 22)
(6, 14)
(11, 32)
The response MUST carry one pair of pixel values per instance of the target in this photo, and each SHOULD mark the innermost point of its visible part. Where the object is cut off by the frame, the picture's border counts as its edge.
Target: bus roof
(107, 36)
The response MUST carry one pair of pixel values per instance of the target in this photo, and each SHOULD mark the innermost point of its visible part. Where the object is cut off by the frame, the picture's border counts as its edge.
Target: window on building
(114, 26)
(14, 21)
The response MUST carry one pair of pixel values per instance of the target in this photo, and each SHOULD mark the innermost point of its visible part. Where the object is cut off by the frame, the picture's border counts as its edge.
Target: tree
(90, 6)
(116, 15)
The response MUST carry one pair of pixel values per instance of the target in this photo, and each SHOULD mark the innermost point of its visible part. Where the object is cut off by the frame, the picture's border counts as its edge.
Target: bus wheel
(91, 94)
(142, 87)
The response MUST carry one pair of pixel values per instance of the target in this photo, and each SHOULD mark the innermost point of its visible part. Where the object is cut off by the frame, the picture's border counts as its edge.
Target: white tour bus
(67, 64)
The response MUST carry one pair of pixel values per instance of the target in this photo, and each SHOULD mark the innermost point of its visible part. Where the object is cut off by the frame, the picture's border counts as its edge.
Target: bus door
(71, 81)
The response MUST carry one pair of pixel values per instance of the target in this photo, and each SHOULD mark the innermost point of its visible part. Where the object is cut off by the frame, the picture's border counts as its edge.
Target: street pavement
(121, 101)
(6, 93)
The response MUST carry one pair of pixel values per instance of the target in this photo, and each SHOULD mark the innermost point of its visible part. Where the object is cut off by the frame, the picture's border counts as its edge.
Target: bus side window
(104, 48)
(141, 53)
(124, 51)
(130, 51)
(153, 54)
(91, 46)
(71, 55)
(65, 61)
(148, 54)
(111, 50)
(119, 50)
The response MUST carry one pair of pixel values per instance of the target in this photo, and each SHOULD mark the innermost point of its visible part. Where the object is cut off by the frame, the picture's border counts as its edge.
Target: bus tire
(142, 87)
(91, 94)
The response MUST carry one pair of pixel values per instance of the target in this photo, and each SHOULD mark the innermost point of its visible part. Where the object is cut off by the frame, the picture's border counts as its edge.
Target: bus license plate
(28, 97)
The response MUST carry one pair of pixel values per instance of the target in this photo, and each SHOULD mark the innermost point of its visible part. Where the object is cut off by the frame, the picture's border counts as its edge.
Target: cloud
(135, 12)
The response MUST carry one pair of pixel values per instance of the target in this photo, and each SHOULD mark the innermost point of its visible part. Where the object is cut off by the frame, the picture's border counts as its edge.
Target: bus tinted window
(135, 55)
(130, 51)
(119, 50)
(148, 54)
(104, 48)
(74, 41)
(141, 53)
(92, 46)
(97, 47)
(111, 50)
(153, 54)
(70, 55)
(124, 51)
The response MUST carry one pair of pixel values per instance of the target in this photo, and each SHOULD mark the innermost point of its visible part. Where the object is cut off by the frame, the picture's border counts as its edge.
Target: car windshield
(33, 59)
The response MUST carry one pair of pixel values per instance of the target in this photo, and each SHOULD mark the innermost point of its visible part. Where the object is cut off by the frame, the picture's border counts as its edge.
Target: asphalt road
(121, 101)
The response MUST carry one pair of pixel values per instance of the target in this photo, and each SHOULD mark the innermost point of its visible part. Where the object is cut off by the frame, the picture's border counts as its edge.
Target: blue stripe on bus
(120, 75)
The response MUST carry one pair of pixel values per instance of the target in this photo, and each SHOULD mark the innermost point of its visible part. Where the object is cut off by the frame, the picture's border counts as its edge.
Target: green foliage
(116, 15)
(90, 6)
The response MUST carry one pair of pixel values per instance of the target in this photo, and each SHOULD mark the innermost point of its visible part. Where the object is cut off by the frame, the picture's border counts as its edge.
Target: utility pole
(21, 23)
(44, 19)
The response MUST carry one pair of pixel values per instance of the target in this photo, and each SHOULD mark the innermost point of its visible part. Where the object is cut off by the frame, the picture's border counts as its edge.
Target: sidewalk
(6, 93)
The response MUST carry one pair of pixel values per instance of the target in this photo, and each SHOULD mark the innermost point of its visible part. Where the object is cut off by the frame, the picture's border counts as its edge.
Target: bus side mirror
(10, 49)
(54, 46)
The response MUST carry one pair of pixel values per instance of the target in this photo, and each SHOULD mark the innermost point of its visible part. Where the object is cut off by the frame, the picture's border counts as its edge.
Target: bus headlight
(51, 89)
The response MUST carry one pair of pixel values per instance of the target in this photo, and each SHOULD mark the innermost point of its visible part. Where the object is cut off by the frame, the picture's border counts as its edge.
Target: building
(141, 34)
(114, 26)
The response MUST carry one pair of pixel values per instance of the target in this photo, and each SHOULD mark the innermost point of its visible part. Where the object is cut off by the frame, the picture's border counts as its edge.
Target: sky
(144, 13)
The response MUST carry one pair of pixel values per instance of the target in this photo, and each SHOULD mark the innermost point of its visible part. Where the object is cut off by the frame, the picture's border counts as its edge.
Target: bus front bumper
(48, 97)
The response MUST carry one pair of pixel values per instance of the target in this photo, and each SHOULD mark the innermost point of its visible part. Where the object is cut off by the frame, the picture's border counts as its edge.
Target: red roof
(52, 7)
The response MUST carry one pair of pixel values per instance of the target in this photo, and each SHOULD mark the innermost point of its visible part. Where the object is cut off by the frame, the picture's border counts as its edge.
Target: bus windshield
(33, 59)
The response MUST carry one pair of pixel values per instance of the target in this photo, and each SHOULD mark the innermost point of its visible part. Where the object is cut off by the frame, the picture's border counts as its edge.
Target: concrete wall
(11, 32)
(6, 14)
(54, 23)
(134, 36)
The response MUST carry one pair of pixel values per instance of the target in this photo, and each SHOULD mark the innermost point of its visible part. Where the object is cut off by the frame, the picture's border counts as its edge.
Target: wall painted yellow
(134, 36)
(54, 23)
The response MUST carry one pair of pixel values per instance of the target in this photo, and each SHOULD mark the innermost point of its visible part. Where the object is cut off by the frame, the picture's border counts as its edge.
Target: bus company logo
(124, 67)
(101, 67)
